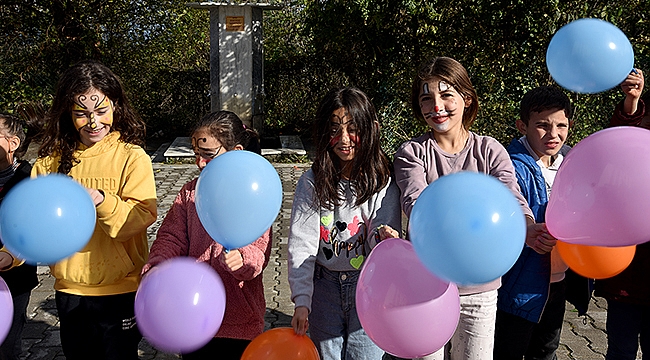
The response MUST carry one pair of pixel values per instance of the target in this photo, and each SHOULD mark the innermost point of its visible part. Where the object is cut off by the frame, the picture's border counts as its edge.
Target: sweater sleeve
(387, 210)
(620, 118)
(303, 242)
(131, 212)
(42, 166)
(172, 238)
(501, 168)
(410, 175)
(255, 256)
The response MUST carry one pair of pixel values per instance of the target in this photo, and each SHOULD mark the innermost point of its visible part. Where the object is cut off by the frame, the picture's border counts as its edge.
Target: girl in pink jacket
(181, 234)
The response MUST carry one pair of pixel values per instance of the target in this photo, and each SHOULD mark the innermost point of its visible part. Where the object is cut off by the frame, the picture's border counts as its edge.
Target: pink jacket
(181, 234)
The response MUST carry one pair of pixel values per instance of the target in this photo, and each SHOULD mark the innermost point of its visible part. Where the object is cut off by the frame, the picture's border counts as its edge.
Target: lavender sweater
(420, 161)
(181, 234)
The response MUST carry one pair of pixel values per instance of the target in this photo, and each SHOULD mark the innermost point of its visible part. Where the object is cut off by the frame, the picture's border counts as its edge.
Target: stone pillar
(237, 59)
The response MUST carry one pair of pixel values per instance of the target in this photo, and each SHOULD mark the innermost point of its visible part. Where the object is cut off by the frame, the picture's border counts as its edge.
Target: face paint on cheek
(79, 121)
(354, 139)
(106, 118)
(334, 140)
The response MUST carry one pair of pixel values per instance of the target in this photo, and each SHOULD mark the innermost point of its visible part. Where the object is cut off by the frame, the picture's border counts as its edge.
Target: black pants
(518, 338)
(219, 349)
(627, 325)
(98, 327)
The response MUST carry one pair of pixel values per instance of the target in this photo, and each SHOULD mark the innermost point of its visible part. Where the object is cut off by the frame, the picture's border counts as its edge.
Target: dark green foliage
(161, 50)
(377, 45)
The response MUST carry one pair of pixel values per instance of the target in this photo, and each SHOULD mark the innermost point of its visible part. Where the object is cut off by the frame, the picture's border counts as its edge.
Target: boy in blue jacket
(532, 296)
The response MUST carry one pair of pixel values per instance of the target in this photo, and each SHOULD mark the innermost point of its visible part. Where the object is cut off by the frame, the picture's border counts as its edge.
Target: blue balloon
(238, 196)
(589, 56)
(46, 219)
(467, 228)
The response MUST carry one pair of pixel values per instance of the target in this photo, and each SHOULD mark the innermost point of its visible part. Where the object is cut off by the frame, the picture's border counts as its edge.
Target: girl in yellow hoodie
(93, 135)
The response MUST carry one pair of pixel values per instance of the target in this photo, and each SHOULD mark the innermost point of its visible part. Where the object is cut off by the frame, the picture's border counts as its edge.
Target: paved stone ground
(583, 338)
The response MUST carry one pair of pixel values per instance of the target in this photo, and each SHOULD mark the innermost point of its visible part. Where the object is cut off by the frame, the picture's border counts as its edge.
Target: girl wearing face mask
(443, 97)
(181, 234)
(93, 135)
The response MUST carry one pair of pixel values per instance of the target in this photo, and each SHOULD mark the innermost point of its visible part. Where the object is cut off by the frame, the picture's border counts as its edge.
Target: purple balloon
(6, 310)
(600, 194)
(405, 309)
(180, 304)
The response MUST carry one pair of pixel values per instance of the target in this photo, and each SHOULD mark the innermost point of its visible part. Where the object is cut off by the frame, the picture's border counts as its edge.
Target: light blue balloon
(467, 228)
(46, 219)
(238, 196)
(589, 56)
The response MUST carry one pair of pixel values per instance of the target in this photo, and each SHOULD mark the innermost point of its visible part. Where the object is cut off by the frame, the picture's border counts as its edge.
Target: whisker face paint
(439, 102)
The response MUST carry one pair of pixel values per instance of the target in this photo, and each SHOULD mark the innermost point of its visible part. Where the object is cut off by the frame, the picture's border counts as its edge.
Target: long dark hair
(371, 168)
(452, 72)
(228, 128)
(61, 136)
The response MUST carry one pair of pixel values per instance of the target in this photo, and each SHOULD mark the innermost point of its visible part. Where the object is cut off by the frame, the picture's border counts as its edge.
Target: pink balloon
(6, 310)
(180, 304)
(601, 191)
(406, 310)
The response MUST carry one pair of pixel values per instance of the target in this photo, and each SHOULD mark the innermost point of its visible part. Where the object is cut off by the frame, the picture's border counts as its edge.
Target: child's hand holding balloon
(96, 195)
(539, 239)
(387, 232)
(232, 259)
(633, 83)
(5, 260)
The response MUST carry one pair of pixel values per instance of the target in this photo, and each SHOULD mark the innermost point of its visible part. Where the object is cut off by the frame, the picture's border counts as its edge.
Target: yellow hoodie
(112, 260)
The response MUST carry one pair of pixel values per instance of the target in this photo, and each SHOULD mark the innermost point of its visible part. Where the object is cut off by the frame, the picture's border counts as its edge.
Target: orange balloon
(280, 344)
(596, 262)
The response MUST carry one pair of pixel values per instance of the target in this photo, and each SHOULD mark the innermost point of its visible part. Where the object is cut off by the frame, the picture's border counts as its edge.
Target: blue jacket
(525, 287)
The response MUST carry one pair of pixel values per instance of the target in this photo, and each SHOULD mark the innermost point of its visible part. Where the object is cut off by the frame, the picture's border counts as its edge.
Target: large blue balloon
(467, 228)
(46, 219)
(238, 196)
(589, 56)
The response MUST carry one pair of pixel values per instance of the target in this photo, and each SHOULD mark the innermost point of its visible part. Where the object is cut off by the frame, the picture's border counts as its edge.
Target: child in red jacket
(182, 234)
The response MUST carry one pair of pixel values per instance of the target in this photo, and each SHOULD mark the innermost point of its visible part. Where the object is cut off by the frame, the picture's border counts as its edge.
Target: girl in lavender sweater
(181, 234)
(342, 207)
(443, 97)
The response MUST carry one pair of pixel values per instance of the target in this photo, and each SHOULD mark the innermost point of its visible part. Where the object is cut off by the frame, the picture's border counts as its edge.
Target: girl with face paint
(342, 207)
(443, 97)
(93, 135)
(181, 234)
